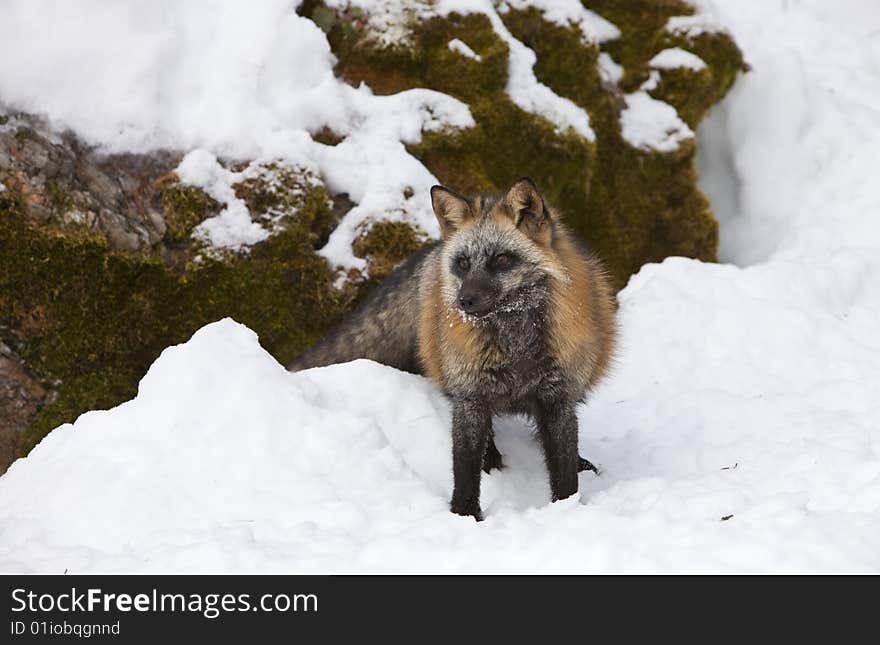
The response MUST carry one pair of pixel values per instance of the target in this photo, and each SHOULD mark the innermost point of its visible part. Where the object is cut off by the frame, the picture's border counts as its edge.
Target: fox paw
(586, 464)
(492, 458)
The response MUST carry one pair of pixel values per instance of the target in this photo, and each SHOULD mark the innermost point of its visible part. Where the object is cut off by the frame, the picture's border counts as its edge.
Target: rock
(21, 396)
(65, 183)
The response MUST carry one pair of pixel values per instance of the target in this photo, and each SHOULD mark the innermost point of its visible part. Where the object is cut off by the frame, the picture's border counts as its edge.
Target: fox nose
(470, 301)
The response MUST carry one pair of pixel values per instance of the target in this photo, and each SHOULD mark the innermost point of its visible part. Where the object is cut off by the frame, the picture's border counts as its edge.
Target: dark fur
(378, 328)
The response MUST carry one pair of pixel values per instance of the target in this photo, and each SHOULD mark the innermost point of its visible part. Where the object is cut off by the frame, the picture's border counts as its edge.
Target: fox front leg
(471, 430)
(558, 428)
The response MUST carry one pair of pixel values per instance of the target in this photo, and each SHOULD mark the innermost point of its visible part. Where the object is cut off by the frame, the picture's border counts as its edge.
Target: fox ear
(526, 205)
(452, 210)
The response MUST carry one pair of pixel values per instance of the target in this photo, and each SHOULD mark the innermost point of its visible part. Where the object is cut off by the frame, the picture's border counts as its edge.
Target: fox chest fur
(549, 338)
(506, 361)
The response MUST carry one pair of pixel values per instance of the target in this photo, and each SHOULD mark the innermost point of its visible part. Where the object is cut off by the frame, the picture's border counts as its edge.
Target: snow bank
(787, 157)
(225, 461)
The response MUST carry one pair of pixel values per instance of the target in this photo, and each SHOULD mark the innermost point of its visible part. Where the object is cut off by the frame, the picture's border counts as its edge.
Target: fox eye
(463, 263)
(502, 261)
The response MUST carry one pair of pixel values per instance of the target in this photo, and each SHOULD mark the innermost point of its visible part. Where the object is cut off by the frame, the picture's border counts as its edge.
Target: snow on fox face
(497, 257)
(490, 270)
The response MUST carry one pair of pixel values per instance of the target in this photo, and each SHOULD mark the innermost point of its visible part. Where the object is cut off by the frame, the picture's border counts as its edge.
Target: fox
(508, 313)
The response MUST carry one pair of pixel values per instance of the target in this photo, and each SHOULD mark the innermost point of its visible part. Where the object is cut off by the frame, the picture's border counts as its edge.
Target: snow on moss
(704, 20)
(593, 27)
(675, 58)
(523, 88)
(610, 71)
(232, 229)
(462, 48)
(647, 123)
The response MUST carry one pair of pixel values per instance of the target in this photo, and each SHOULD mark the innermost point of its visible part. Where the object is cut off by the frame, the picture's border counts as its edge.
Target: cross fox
(506, 314)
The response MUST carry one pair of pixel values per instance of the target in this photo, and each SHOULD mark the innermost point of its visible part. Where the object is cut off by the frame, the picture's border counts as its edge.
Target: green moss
(22, 134)
(184, 208)
(427, 61)
(506, 144)
(93, 320)
(642, 25)
(642, 206)
(386, 244)
(632, 206)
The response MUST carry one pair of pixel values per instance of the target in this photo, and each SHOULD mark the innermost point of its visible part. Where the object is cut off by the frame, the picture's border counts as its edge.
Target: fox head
(497, 256)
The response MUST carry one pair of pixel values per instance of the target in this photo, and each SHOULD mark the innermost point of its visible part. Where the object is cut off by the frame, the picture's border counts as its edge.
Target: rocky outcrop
(104, 260)
(99, 272)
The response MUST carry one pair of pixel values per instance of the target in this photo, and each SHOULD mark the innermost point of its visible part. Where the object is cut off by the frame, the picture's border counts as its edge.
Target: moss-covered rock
(386, 244)
(632, 205)
(102, 264)
(288, 198)
(184, 208)
(642, 205)
(90, 320)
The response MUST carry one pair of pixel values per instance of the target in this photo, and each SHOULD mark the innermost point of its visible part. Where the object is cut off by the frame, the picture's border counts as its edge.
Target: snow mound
(225, 461)
(223, 448)
(785, 158)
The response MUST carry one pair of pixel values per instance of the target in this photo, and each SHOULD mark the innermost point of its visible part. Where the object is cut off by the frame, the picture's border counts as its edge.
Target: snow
(390, 21)
(611, 71)
(523, 87)
(650, 124)
(232, 228)
(786, 159)
(462, 48)
(704, 20)
(676, 57)
(235, 228)
(746, 390)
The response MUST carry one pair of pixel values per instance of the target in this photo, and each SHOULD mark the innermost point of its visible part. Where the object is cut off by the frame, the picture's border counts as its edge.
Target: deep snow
(749, 390)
